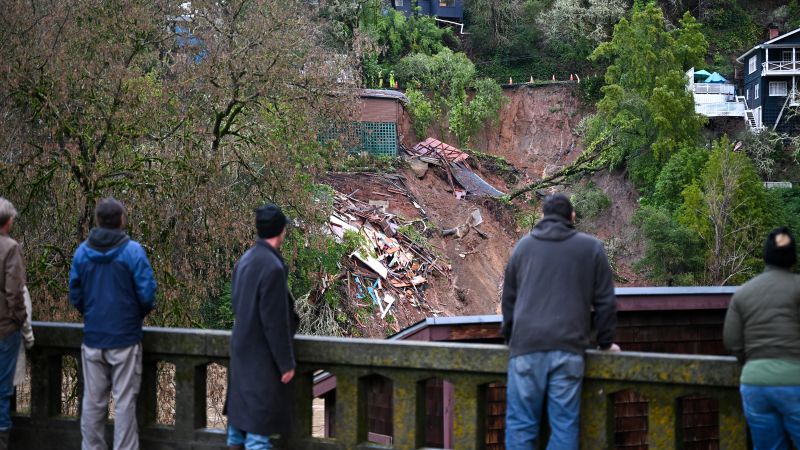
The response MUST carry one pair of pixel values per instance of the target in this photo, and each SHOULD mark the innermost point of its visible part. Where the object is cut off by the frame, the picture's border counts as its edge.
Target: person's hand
(28, 344)
(614, 348)
(287, 377)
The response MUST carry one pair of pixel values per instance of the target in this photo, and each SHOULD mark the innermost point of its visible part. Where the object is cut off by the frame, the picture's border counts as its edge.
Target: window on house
(447, 3)
(752, 64)
(786, 55)
(777, 89)
(747, 94)
(755, 91)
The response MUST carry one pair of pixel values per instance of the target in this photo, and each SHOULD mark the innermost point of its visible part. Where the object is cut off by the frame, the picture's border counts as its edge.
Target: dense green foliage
(439, 88)
(589, 202)
(729, 209)
(108, 99)
(674, 253)
(645, 104)
(703, 211)
(395, 36)
(537, 38)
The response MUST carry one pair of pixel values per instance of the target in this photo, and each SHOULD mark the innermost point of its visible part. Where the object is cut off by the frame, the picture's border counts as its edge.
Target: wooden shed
(382, 105)
(376, 131)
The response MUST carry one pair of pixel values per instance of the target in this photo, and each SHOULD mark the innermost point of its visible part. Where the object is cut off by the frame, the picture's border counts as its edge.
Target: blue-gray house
(771, 79)
(452, 10)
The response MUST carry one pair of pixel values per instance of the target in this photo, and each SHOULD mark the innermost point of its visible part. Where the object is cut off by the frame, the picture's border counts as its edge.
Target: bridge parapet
(664, 380)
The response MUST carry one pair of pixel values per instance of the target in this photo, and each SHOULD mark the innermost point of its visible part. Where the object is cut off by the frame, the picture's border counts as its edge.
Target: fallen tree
(590, 161)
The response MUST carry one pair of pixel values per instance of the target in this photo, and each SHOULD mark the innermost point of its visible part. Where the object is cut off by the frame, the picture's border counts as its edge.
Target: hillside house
(771, 78)
(446, 10)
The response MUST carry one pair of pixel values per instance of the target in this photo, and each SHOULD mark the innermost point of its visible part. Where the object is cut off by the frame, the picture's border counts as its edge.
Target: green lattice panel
(376, 138)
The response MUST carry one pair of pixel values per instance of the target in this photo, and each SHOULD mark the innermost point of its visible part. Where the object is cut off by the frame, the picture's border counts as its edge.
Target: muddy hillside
(534, 136)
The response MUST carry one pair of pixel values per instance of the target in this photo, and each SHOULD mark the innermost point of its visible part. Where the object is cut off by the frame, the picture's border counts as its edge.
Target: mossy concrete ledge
(662, 379)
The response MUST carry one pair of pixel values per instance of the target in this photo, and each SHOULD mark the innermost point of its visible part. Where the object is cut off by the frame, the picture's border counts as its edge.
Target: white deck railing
(735, 109)
(782, 66)
(714, 88)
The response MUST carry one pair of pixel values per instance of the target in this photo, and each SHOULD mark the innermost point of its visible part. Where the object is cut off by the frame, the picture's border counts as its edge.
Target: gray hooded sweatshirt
(554, 278)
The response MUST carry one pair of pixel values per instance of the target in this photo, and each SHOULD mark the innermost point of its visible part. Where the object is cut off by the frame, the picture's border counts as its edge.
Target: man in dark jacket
(762, 328)
(555, 276)
(12, 313)
(262, 357)
(111, 284)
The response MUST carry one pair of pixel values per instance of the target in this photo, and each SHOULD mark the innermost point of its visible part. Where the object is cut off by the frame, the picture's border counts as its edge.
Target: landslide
(535, 135)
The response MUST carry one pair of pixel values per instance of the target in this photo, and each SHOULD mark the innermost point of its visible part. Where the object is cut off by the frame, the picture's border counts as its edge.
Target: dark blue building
(452, 10)
(772, 81)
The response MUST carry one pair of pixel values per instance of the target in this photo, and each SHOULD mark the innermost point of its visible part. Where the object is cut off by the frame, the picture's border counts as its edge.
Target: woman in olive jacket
(762, 328)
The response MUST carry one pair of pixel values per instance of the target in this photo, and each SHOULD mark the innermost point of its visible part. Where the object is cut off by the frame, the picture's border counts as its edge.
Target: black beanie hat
(777, 253)
(270, 221)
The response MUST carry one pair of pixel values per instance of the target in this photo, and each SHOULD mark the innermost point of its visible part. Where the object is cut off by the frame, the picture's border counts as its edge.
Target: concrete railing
(184, 357)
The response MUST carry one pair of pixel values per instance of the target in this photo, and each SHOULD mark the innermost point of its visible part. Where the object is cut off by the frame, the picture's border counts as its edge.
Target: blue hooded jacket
(111, 284)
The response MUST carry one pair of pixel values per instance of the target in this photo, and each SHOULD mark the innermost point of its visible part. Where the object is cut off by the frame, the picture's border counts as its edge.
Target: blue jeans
(773, 414)
(532, 377)
(9, 351)
(249, 440)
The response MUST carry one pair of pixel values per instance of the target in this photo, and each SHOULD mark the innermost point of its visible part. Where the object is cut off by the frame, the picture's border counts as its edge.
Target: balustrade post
(148, 402)
(302, 408)
(661, 417)
(732, 425)
(351, 418)
(190, 396)
(468, 422)
(596, 425)
(409, 404)
(45, 385)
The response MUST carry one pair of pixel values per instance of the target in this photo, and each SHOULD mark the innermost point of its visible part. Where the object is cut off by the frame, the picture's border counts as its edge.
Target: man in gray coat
(262, 357)
(554, 278)
(12, 313)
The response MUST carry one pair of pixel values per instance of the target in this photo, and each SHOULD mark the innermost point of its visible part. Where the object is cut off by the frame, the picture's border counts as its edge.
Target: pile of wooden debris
(388, 267)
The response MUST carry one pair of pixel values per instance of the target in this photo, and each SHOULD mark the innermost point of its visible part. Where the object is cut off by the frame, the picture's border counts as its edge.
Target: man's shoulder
(260, 256)
(7, 243)
(134, 248)
(768, 279)
(588, 238)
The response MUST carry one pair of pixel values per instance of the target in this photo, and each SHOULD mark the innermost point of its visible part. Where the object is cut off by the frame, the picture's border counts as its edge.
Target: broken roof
(434, 147)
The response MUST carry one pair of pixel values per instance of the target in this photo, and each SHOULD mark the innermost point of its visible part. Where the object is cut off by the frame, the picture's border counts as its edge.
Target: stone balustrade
(175, 411)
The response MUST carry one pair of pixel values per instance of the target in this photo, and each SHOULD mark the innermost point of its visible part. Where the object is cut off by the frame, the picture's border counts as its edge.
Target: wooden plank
(675, 303)
(475, 331)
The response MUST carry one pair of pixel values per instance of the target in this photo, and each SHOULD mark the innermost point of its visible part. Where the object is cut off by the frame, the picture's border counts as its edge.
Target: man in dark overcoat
(262, 357)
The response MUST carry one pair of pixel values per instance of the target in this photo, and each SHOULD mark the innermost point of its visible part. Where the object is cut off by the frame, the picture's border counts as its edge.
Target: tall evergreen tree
(645, 104)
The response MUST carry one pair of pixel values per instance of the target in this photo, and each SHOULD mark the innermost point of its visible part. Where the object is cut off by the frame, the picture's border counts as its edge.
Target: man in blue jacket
(111, 284)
